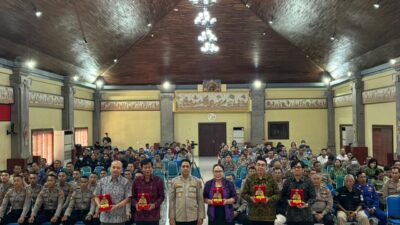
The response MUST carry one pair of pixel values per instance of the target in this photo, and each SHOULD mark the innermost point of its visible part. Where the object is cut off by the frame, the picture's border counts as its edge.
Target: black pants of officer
(242, 218)
(328, 219)
(45, 216)
(80, 215)
(12, 217)
(187, 223)
(132, 219)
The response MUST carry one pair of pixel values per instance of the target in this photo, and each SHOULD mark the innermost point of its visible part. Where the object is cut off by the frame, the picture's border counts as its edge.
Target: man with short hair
(323, 158)
(151, 186)
(66, 188)
(34, 187)
(16, 171)
(186, 204)
(69, 171)
(4, 185)
(261, 213)
(240, 206)
(57, 166)
(103, 173)
(323, 205)
(116, 186)
(349, 202)
(342, 156)
(392, 186)
(92, 181)
(76, 175)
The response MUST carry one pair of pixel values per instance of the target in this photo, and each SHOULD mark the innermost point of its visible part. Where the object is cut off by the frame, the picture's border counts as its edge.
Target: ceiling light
(99, 82)
(376, 5)
(204, 19)
(151, 35)
(115, 60)
(38, 14)
(248, 5)
(209, 48)
(327, 80)
(166, 85)
(271, 20)
(333, 37)
(149, 25)
(264, 34)
(203, 3)
(392, 61)
(349, 73)
(76, 78)
(31, 64)
(176, 9)
(257, 84)
(207, 36)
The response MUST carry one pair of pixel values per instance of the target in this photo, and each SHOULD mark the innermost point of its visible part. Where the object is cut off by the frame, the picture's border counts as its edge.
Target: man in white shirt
(342, 156)
(323, 158)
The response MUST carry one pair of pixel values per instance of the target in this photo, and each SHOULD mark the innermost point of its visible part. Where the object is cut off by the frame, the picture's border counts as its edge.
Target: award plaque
(218, 196)
(105, 202)
(144, 201)
(260, 193)
(296, 197)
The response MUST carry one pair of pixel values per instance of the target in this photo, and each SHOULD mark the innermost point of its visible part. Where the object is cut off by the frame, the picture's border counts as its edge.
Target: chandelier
(207, 36)
(209, 48)
(203, 3)
(204, 19)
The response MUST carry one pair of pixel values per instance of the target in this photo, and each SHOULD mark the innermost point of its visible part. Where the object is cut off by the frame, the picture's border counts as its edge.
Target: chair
(238, 183)
(98, 169)
(339, 181)
(79, 222)
(393, 209)
(86, 171)
(241, 170)
(236, 158)
(172, 169)
(196, 172)
(165, 161)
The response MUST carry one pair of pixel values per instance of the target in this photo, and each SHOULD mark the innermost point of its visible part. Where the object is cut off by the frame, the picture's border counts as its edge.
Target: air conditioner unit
(238, 136)
(63, 145)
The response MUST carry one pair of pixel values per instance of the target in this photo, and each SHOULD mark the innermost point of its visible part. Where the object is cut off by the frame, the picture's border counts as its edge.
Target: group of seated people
(276, 186)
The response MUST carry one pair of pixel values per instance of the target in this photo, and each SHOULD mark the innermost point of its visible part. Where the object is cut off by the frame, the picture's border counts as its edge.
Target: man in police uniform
(81, 205)
(349, 202)
(4, 185)
(92, 181)
(66, 188)
(186, 204)
(34, 187)
(371, 199)
(52, 199)
(322, 207)
(18, 199)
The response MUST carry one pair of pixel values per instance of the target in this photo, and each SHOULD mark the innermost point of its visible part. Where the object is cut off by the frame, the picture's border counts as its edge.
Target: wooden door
(211, 135)
(382, 142)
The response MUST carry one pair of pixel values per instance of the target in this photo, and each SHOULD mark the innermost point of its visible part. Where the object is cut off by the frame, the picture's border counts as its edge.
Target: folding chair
(393, 209)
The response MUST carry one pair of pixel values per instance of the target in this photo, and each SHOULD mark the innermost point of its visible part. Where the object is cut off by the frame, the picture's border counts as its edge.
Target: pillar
(167, 116)
(257, 114)
(331, 118)
(68, 110)
(396, 67)
(358, 111)
(97, 116)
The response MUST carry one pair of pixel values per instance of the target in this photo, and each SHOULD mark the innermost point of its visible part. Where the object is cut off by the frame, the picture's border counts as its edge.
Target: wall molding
(293, 103)
(212, 102)
(379, 95)
(343, 100)
(83, 104)
(44, 100)
(6, 95)
(130, 106)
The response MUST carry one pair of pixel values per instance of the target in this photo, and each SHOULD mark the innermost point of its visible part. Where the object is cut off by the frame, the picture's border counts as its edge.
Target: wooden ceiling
(82, 37)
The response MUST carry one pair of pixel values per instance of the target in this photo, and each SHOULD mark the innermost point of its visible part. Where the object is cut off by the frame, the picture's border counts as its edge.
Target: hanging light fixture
(207, 36)
(209, 48)
(204, 19)
(203, 3)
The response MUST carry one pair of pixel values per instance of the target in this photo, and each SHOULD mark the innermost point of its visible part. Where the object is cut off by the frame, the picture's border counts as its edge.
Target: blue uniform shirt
(371, 197)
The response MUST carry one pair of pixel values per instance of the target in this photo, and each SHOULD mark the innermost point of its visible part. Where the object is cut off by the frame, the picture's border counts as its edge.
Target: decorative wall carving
(233, 101)
(38, 99)
(341, 101)
(130, 106)
(83, 104)
(6, 95)
(303, 103)
(386, 94)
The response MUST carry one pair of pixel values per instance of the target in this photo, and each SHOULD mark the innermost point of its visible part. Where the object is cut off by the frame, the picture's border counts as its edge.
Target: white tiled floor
(205, 164)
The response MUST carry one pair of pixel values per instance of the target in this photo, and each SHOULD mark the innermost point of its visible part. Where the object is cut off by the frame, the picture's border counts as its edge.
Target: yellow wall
(5, 140)
(46, 86)
(186, 125)
(131, 95)
(277, 93)
(5, 77)
(131, 128)
(304, 124)
(45, 118)
(83, 93)
(84, 119)
(343, 89)
(380, 80)
(374, 116)
(343, 116)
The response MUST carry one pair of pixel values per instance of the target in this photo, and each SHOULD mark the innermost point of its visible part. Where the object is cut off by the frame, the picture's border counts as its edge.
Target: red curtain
(42, 144)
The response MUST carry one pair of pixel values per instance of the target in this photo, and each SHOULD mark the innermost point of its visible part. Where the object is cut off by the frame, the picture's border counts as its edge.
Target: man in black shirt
(349, 203)
(106, 140)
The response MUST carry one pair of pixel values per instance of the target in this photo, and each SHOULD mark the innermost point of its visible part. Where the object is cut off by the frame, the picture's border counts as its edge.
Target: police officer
(92, 181)
(52, 200)
(4, 185)
(66, 188)
(34, 188)
(81, 205)
(183, 207)
(349, 202)
(371, 199)
(322, 207)
(19, 200)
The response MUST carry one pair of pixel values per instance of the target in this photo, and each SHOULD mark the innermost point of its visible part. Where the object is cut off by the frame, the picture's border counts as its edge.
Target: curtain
(81, 136)
(42, 144)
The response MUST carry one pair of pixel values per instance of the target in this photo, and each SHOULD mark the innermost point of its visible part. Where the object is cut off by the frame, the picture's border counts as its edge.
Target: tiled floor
(205, 164)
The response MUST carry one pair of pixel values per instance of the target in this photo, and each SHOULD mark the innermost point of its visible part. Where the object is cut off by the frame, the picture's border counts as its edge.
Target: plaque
(296, 197)
(105, 202)
(218, 196)
(143, 201)
(260, 193)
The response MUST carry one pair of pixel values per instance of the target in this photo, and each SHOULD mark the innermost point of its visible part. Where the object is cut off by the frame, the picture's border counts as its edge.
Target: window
(42, 144)
(81, 136)
(278, 130)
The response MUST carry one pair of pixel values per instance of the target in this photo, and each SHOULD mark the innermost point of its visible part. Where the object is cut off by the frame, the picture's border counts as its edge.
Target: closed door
(382, 142)
(211, 135)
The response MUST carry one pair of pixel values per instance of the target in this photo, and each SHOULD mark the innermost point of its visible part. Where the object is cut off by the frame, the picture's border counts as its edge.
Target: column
(257, 114)
(358, 111)
(167, 116)
(396, 67)
(331, 118)
(19, 80)
(97, 116)
(68, 110)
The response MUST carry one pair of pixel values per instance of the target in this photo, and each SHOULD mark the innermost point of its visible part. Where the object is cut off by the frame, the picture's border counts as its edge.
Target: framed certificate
(260, 193)
(105, 202)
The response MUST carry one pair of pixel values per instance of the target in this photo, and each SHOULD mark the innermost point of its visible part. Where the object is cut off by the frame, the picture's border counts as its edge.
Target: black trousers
(242, 218)
(327, 219)
(80, 215)
(45, 216)
(300, 223)
(147, 223)
(187, 223)
(260, 222)
(12, 217)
